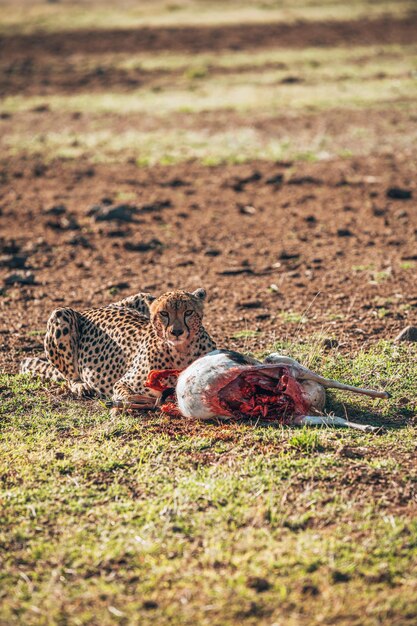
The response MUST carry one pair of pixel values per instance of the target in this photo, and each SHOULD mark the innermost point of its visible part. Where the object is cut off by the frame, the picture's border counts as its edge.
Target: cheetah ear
(149, 298)
(200, 293)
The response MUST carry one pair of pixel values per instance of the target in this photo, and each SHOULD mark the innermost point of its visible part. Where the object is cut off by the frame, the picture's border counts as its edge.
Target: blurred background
(262, 149)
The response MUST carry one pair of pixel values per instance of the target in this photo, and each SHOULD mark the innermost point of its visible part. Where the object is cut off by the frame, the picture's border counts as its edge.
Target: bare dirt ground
(286, 249)
(321, 242)
(228, 37)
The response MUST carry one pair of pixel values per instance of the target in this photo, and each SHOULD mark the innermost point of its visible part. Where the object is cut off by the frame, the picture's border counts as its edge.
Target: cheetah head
(177, 316)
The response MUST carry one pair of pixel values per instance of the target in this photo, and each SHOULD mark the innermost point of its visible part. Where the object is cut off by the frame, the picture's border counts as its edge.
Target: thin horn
(304, 373)
(328, 383)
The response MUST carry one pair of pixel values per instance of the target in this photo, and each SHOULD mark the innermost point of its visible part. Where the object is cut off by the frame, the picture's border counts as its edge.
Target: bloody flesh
(254, 393)
(156, 377)
(266, 392)
(155, 381)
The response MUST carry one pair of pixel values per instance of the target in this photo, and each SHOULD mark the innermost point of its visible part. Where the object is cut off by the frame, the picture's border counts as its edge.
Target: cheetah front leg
(130, 393)
(61, 347)
(125, 392)
(125, 398)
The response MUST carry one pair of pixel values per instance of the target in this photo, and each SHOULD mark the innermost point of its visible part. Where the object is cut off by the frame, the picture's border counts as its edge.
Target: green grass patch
(225, 94)
(291, 317)
(149, 519)
(312, 64)
(387, 366)
(245, 334)
(150, 148)
(360, 78)
(238, 144)
(306, 440)
(407, 265)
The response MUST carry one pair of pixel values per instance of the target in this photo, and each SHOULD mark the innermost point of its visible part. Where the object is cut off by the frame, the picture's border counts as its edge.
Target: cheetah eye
(188, 313)
(164, 314)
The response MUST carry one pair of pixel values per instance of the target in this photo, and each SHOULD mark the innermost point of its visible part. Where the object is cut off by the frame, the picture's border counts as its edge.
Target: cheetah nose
(177, 332)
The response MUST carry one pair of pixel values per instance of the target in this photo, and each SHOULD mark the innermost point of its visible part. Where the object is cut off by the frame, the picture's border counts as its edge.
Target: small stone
(156, 206)
(239, 183)
(403, 401)
(41, 108)
(340, 577)
(305, 180)
(250, 304)
(21, 278)
(9, 246)
(275, 180)
(121, 212)
(291, 80)
(329, 343)
(79, 240)
(114, 611)
(174, 182)
(150, 605)
(58, 209)
(143, 246)
(309, 589)
(118, 286)
(344, 232)
(67, 222)
(39, 170)
(13, 261)
(212, 252)
(352, 453)
(116, 233)
(397, 193)
(235, 271)
(288, 256)
(379, 212)
(247, 210)
(407, 334)
(259, 584)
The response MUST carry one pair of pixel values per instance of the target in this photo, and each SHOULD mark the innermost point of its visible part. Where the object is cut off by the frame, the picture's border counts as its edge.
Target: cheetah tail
(41, 368)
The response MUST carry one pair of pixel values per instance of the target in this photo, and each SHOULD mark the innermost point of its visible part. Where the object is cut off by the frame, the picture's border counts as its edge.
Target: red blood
(155, 378)
(262, 394)
(258, 392)
(170, 408)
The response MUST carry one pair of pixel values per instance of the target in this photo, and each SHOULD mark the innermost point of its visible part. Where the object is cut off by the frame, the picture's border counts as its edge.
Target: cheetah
(109, 351)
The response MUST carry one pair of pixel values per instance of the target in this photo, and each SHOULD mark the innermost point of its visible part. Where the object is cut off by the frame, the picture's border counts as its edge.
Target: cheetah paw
(82, 390)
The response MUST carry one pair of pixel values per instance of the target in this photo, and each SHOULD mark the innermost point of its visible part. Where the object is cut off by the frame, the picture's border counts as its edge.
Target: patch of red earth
(193, 39)
(321, 240)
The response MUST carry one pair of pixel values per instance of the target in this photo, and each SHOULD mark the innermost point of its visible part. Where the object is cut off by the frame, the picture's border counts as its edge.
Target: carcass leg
(328, 420)
(303, 373)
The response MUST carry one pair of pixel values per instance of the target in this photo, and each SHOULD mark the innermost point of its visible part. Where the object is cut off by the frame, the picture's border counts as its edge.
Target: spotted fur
(110, 350)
